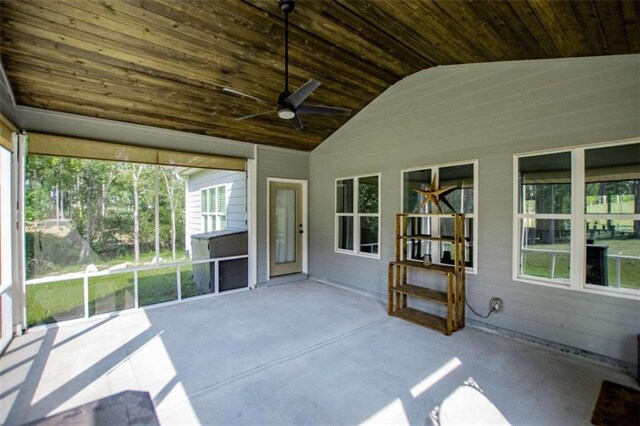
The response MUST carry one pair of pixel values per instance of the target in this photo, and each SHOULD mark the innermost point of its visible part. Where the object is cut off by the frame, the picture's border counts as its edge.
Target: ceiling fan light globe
(286, 113)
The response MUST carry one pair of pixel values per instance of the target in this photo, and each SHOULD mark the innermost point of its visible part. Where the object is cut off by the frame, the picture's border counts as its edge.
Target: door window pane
(285, 222)
(545, 183)
(344, 196)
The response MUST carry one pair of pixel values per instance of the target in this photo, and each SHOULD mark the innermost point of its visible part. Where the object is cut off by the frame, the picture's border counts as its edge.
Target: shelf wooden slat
(422, 318)
(426, 237)
(428, 214)
(423, 293)
(445, 269)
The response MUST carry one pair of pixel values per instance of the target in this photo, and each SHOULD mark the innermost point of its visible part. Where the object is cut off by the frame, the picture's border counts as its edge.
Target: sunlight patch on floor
(467, 405)
(435, 377)
(392, 414)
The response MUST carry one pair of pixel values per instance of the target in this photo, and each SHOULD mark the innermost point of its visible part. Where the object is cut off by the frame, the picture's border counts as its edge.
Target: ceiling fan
(290, 105)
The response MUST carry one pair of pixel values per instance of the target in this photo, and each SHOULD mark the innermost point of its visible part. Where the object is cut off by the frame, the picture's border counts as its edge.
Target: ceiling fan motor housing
(285, 110)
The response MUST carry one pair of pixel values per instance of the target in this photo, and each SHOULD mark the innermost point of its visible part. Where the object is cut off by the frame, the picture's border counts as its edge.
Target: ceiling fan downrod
(286, 6)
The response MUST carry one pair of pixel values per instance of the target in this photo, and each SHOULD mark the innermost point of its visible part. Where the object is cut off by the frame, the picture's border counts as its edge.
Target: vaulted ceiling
(165, 63)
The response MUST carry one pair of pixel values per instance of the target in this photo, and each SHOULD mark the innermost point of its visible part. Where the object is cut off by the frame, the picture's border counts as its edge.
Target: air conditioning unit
(232, 274)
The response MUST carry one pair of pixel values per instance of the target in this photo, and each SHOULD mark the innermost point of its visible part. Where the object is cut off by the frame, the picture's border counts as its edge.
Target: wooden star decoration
(435, 195)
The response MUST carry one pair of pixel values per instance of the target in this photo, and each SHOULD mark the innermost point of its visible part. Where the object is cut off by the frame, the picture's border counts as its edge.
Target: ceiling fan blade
(322, 110)
(239, 93)
(303, 92)
(254, 115)
(296, 122)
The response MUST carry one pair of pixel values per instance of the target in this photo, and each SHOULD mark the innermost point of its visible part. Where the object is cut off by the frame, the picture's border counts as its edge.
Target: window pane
(223, 222)
(203, 200)
(545, 183)
(222, 199)
(212, 200)
(417, 179)
(344, 196)
(613, 180)
(416, 249)
(205, 223)
(461, 198)
(345, 232)
(369, 235)
(613, 253)
(368, 194)
(157, 286)
(212, 223)
(545, 248)
(446, 248)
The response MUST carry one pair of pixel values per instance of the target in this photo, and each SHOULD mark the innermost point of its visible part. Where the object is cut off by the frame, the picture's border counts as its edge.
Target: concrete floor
(301, 353)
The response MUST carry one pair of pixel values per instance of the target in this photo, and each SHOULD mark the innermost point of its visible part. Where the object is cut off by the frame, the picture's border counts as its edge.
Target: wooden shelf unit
(453, 299)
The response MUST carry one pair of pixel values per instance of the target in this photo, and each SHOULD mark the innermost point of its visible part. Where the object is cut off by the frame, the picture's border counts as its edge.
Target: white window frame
(577, 217)
(217, 214)
(357, 216)
(436, 223)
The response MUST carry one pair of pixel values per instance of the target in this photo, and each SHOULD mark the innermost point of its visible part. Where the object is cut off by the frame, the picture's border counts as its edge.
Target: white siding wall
(487, 112)
(236, 199)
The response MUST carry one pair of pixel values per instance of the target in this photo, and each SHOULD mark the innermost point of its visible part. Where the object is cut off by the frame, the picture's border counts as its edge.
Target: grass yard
(64, 300)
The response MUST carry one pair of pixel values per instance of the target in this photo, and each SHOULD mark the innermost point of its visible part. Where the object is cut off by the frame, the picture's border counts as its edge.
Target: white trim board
(305, 222)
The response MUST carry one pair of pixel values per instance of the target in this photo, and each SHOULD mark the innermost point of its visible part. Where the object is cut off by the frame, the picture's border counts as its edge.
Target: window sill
(606, 291)
(353, 253)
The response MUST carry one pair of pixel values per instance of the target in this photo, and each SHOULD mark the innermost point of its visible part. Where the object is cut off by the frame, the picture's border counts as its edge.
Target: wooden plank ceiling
(164, 63)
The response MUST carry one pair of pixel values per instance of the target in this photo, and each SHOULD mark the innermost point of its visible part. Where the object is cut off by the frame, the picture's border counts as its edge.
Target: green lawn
(63, 300)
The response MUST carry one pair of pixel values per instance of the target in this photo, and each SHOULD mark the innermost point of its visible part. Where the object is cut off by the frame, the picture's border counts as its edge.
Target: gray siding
(236, 199)
(487, 112)
(274, 163)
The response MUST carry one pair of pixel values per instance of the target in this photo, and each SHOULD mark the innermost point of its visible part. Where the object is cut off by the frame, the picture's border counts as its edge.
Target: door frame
(305, 222)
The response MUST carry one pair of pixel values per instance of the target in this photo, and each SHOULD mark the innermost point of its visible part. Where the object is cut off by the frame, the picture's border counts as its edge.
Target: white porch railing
(85, 276)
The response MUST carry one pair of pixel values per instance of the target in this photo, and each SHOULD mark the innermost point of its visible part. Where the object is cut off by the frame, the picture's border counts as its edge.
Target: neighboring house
(215, 200)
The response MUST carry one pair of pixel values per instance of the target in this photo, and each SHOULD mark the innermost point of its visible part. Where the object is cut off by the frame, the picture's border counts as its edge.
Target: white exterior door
(286, 228)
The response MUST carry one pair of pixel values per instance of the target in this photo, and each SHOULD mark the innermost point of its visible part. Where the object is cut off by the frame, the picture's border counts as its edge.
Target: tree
(173, 185)
(95, 179)
(136, 173)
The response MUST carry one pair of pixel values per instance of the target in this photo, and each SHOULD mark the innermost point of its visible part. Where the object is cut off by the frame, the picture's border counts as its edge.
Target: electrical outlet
(495, 304)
